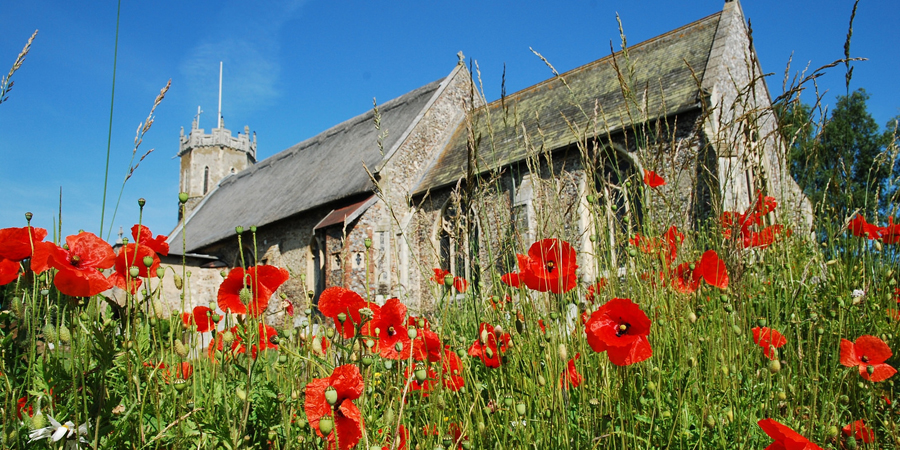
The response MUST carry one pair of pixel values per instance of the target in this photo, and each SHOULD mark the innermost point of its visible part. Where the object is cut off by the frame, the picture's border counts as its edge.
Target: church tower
(208, 158)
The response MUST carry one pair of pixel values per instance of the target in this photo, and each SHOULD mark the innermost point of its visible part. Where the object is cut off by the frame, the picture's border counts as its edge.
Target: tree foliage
(845, 163)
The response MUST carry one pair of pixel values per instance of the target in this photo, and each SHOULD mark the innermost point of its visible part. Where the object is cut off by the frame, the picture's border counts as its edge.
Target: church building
(447, 180)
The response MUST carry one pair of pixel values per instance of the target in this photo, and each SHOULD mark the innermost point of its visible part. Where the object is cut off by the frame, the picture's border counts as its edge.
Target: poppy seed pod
(420, 373)
(241, 394)
(520, 408)
(498, 330)
(448, 280)
(239, 229)
(182, 197)
(331, 395)
(134, 271)
(326, 425)
(412, 333)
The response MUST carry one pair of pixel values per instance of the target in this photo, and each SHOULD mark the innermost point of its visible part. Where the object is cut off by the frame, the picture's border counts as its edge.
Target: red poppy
(665, 246)
(570, 376)
(347, 385)
(322, 347)
(868, 351)
(653, 179)
(452, 368)
(132, 255)
(549, 266)
(183, 371)
(769, 340)
(390, 330)
(785, 438)
(620, 328)
(17, 244)
(257, 285)
(201, 317)
(685, 279)
(890, 234)
(440, 275)
(860, 431)
(541, 325)
(22, 405)
(712, 269)
(9, 271)
(427, 344)
(265, 334)
(460, 284)
(335, 301)
(489, 346)
(78, 275)
(595, 289)
(143, 236)
(861, 228)
(512, 279)
(457, 436)
(750, 219)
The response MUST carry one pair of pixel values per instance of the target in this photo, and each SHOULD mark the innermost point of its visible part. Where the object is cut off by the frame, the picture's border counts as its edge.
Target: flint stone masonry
(450, 181)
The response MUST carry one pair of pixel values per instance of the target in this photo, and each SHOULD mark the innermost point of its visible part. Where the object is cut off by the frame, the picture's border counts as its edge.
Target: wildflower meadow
(746, 331)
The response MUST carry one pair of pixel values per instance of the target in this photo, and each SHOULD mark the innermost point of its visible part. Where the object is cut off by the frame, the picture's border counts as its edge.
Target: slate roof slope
(662, 66)
(319, 170)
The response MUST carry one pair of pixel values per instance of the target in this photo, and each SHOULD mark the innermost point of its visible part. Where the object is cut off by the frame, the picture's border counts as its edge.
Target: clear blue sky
(295, 68)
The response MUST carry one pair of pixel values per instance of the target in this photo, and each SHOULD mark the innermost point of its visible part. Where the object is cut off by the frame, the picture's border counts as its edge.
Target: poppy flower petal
(511, 279)
(881, 372)
(348, 426)
(653, 179)
(876, 350)
(77, 283)
(347, 381)
(848, 354)
(635, 353)
(16, 243)
(712, 270)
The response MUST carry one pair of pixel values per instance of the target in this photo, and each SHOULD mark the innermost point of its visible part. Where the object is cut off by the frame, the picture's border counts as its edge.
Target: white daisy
(56, 431)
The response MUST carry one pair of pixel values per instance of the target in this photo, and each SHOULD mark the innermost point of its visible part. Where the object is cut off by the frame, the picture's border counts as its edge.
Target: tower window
(205, 180)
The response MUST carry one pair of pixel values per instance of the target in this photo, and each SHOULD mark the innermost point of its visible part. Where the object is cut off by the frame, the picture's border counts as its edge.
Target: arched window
(618, 210)
(205, 180)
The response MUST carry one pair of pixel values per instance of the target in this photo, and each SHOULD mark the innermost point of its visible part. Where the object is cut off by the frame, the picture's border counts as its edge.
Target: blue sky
(295, 68)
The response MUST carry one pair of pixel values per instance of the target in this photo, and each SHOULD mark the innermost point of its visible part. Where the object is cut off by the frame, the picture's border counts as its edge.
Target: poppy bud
(420, 323)
(851, 442)
(227, 337)
(134, 271)
(728, 308)
(632, 251)
(245, 295)
(774, 366)
(593, 238)
(180, 349)
(554, 315)
(541, 380)
(484, 336)
(38, 421)
(182, 197)
(520, 408)
(412, 333)
(179, 283)
(398, 347)
(317, 346)
(562, 352)
(489, 353)
(498, 330)
(591, 199)
(331, 395)
(870, 369)
(692, 317)
(65, 336)
(326, 424)
(461, 353)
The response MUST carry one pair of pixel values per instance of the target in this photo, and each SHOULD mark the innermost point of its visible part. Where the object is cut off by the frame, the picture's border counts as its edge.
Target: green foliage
(844, 165)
